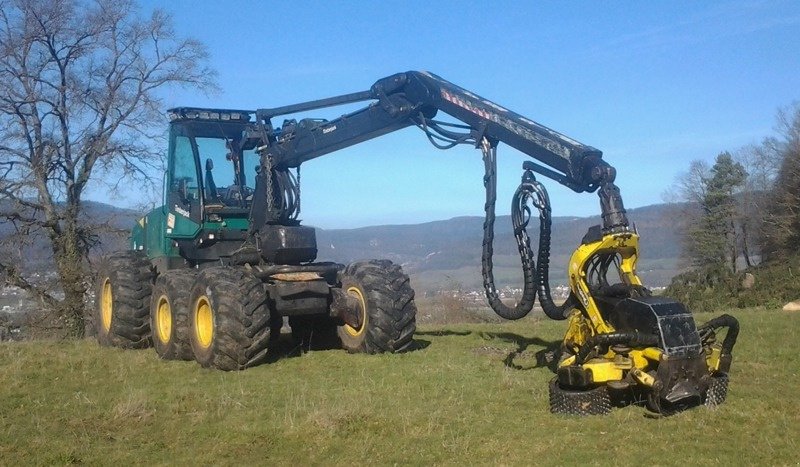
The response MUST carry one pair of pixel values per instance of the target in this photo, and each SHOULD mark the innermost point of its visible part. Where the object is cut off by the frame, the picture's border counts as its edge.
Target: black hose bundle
(536, 279)
(723, 321)
(519, 215)
(542, 203)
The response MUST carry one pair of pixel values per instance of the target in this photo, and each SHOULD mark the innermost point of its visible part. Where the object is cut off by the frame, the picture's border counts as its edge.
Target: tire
(388, 312)
(122, 304)
(594, 401)
(169, 314)
(717, 390)
(229, 319)
(315, 332)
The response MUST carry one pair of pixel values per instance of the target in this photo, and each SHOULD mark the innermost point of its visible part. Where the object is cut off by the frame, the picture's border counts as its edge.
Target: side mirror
(209, 164)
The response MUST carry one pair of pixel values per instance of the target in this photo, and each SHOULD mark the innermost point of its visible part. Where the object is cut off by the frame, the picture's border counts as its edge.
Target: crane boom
(413, 97)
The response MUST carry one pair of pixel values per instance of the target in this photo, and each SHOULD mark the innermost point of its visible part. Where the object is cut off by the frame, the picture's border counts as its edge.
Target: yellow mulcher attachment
(623, 344)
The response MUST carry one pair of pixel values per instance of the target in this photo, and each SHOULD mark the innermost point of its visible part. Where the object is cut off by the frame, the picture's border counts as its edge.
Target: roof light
(188, 113)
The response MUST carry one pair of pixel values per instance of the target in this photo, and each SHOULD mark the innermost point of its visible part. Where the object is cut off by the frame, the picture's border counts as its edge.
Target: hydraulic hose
(726, 321)
(542, 202)
(518, 215)
(536, 279)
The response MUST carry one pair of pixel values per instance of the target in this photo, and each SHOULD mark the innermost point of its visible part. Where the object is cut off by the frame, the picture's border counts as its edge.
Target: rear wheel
(593, 401)
(386, 305)
(169, 314)
(229, 319)
(124, 285)
(717, 390)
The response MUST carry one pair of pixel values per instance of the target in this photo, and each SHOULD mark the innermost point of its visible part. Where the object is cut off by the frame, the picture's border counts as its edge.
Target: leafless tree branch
(78, 83)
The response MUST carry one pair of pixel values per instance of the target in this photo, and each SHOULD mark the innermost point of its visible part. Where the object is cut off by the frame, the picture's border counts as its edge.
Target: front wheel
(229, 319)
(386, 306)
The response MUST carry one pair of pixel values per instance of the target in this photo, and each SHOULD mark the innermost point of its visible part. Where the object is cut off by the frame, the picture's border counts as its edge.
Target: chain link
(298, 191)
(270, 194)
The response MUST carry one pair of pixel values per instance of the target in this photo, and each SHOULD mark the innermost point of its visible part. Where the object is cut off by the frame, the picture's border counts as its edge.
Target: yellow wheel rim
(204, 322)
(164, 320)
(106, 304)
(355, 332)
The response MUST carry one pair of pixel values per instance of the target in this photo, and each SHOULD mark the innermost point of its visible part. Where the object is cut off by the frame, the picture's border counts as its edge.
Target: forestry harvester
(211, 274)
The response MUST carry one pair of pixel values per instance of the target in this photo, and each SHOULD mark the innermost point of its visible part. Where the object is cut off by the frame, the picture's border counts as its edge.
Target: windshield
(207, 157)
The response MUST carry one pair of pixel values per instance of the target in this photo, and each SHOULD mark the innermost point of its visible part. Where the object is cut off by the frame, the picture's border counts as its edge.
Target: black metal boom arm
(414, 98)
(409, 98)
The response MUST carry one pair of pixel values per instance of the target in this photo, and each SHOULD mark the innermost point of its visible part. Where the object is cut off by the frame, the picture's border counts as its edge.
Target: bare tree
(685, 196)
(781, 232)
(79, 97)
(761, 162)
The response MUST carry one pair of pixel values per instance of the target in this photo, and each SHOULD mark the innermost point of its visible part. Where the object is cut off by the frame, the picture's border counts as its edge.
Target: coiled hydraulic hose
(518, 216)
(541, 201)
(536, 279)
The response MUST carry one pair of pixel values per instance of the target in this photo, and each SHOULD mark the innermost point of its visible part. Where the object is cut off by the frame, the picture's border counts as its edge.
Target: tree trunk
(69, 259)
(745, 247)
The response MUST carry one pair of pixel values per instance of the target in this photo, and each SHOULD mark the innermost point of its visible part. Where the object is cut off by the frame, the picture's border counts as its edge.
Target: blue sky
(653, 85)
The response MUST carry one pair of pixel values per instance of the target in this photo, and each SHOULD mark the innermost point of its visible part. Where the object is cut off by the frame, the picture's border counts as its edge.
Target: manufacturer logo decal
(181, 211)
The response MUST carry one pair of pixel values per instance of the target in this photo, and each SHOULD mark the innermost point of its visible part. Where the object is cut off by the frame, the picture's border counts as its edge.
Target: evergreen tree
(711, 242)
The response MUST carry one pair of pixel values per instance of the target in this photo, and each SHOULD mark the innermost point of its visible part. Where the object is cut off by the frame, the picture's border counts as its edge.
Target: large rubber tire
(229, 319)
(594, 401)
(717, 390)
(386, 304)
(169, 314)
(122, 303)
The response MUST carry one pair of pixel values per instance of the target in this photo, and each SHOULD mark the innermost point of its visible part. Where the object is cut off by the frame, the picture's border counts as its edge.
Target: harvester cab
(213, 272)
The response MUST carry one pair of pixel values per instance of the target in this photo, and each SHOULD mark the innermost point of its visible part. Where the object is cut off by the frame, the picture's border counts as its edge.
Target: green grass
(473, 394)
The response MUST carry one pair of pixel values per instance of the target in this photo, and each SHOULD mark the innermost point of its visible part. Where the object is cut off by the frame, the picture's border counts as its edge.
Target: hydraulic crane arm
(413, 98)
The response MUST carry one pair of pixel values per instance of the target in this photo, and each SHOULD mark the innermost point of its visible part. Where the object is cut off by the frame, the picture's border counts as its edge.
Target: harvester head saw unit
(623, 344)
(626, 346)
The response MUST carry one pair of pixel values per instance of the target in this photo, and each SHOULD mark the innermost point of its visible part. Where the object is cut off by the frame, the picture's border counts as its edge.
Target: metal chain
(298, 192)
(270, 194)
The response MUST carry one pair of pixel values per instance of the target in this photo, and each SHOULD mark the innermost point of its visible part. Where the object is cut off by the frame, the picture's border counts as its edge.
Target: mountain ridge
(443, 253)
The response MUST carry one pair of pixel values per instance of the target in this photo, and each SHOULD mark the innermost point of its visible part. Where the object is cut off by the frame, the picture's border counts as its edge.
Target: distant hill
(448, 253)
(112, 223)
(441, 254)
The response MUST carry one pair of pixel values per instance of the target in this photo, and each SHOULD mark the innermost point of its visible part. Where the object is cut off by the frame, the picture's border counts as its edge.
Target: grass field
(472, 394)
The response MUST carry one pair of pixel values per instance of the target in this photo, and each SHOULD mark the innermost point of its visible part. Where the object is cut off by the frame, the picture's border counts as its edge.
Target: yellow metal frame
(635, 365)
(611, 366)
(626, 245)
